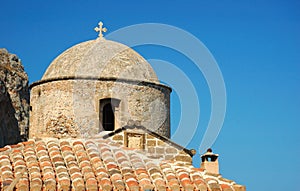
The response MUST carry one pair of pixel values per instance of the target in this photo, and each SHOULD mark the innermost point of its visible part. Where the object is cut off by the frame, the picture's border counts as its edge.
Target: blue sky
(256, 45)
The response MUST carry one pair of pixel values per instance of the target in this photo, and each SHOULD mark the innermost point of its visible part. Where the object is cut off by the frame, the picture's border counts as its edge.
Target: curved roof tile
(97, 164)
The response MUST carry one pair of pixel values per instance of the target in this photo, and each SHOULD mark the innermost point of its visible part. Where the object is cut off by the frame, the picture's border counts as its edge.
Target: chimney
(210, 162)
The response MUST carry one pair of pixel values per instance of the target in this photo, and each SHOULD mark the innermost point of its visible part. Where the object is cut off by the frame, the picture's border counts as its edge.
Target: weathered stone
(160, 150)
(14, 99)
(169, 157)
(183, 158)
(171, 150)
(151, 143)
(151, 150)
(62, 127)
(149, 136)
(160, 143)
(80, 78)
(154, 156)
(118, 137)
(182, 152)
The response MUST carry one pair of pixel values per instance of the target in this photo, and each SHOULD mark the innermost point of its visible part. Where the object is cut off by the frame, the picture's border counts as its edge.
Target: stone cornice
(142, 83)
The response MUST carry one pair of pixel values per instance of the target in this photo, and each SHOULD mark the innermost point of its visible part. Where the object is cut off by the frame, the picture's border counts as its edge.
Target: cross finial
(100, 29)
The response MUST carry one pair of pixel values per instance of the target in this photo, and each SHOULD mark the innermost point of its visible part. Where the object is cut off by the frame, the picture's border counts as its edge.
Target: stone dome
(101, 59)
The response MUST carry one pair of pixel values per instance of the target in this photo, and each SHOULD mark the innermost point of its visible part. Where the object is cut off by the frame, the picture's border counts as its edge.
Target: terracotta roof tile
(96, 165)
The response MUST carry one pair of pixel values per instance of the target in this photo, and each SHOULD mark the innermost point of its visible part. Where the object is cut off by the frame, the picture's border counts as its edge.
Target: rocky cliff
(14, 100)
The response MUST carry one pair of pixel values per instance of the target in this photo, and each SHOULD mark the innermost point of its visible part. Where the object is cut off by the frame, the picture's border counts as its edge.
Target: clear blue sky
(256, 44)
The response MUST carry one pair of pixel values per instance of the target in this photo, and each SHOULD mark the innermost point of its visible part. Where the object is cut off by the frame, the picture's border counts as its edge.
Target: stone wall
(14, 99)
(78, 100)
(155, 146)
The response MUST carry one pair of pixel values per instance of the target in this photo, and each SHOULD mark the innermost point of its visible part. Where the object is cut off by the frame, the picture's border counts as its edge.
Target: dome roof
(101, 58)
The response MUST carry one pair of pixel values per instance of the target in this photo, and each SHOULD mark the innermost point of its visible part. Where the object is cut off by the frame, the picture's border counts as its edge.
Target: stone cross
(100, 29)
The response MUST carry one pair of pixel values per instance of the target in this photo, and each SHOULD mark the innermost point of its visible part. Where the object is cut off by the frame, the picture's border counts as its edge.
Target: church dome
(101, 59)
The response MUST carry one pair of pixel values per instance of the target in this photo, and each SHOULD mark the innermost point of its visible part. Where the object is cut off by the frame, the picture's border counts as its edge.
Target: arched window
(108, 121)
(107, 112)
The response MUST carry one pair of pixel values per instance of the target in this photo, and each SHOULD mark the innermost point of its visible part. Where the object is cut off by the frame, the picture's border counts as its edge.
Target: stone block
(160, 150)
(155, 156)
(151, 150)
(160, 143)
(183, 158)
(182, 152)
(169, 157)
(151, 143)
(118, 137)
(171, 150)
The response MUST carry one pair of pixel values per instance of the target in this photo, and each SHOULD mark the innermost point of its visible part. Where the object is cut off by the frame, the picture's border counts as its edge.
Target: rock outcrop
(14, 100)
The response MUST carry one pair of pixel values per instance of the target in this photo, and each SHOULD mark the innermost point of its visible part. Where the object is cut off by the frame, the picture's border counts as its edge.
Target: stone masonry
(14, 99)
(82, 77)
(155, 145)
(78, 101)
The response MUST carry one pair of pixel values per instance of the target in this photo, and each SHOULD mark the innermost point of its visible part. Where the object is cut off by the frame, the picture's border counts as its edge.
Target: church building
(100, 121)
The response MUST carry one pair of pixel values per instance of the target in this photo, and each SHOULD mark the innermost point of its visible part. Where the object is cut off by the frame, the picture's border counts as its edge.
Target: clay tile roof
(93, 165)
